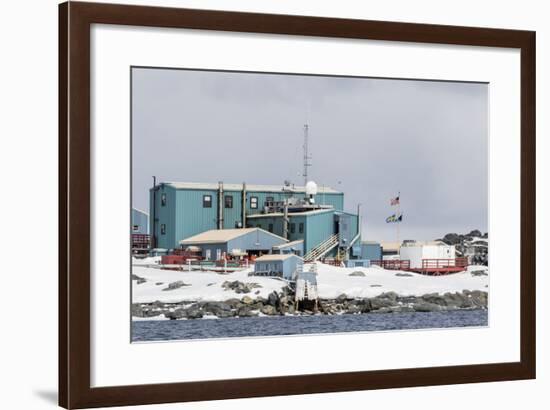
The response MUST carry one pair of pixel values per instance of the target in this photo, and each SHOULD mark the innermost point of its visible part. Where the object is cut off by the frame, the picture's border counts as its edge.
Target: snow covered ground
(332, 282)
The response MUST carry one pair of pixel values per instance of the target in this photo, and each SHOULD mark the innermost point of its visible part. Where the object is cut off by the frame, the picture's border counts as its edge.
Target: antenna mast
(307, 164)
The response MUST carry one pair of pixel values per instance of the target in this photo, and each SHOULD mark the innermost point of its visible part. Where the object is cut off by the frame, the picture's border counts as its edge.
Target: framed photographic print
(256, 205)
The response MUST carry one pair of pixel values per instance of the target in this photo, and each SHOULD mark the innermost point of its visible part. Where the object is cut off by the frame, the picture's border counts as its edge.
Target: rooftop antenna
(307, 157)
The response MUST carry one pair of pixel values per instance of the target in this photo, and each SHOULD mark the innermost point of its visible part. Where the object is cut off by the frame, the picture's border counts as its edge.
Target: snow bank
(332, 282)
(149, 260)
(206, 286)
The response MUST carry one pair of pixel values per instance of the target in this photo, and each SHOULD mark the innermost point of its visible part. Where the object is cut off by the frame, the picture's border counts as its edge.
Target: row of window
(228, 201)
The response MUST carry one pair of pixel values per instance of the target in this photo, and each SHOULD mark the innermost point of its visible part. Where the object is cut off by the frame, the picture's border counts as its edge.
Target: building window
(218, 254)
(163, 200)
(163, 229)
(207, 254)
(268, 199)
(270, 228)
(207, 201)
(292, 227)
(228, 201)
(135, 228)
(301, 227)
(254, 202)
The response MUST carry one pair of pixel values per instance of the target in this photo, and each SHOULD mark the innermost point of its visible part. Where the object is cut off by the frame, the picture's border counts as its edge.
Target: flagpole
(398, 222)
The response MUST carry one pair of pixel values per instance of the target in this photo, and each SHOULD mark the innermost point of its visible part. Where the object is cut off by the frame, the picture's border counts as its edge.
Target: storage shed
(217, 242)
(416, 252)
(282, 265)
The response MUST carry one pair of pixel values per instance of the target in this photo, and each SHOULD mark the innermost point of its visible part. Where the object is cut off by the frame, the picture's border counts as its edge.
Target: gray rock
(389, 295)
(175, 285)
(357, 273)
(269, 310)
(246, 311)
(247, 300)
(194, 312)
(479, 273)
(176, 314)
(426, 307)
(342, 297)
(379, 303)
(216, 308)
(240, 287)
(404, 274)
(353, 309)
(139, 279)
(233, 302)
(273, 299)
(435, 298)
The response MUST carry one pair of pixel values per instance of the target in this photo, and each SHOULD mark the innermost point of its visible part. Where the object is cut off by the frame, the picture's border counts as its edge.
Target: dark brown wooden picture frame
(75, 20)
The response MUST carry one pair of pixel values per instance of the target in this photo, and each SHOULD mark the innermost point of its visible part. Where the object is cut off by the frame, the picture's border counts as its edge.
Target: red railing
(392, 264)
(444, 263)
(332, 261)
(140, 241)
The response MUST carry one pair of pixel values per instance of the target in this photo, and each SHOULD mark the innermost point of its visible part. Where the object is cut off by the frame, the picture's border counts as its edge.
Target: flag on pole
(394, 218)
(394, 201)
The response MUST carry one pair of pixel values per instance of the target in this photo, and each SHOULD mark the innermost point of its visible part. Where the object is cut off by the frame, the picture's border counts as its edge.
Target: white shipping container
(417, 252)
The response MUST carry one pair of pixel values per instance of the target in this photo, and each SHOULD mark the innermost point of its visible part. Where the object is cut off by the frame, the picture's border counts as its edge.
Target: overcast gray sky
(369, 138)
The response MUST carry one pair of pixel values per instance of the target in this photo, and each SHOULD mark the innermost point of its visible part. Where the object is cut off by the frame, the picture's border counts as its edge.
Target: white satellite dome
(311, 188)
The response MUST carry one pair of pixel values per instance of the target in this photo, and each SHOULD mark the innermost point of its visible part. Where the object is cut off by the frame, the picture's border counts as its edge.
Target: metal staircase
(322, 249)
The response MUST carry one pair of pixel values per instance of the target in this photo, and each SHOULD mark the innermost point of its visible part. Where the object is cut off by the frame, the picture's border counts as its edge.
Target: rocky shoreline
(282, 303)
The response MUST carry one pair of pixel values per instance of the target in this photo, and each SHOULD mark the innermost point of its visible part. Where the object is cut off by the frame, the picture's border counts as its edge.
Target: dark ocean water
(157, 330)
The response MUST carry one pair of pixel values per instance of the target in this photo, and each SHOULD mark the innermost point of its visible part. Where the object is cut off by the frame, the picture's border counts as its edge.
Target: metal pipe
(154, 227)
(220, 205)
(285, 220)
(243, 206)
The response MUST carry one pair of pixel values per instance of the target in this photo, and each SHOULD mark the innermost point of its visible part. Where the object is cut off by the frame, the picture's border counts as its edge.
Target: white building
(417, 251)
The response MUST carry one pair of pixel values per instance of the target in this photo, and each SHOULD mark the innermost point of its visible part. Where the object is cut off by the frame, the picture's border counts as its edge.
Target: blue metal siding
(255, 241)
(278, 225)
(287, 266)
(334, 199)
(232, 216)
(356, 263)
(319, 227)
(371, 251)
(348, 227)
(222, 247)
(263, 223)
(164, 215)
(140, 222)
(296, 247)
(191, 217)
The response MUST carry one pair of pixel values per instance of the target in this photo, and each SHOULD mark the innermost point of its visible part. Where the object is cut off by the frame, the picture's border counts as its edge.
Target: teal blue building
(179, 210)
